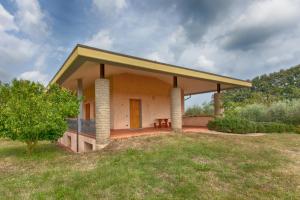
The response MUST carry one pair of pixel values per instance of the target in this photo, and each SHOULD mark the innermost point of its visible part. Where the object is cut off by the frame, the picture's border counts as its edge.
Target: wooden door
(87, 111)
(135, 113)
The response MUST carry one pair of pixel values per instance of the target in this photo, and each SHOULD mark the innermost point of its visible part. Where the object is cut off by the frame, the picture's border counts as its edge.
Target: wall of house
(196, 121)
(153, 93)
(86, 143)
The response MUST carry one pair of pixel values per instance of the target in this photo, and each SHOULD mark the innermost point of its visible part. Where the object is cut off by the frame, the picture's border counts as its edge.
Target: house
(122, 92)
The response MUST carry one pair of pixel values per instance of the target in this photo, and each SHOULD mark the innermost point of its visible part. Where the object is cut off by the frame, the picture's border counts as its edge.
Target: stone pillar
(218, 105)
(102, 104)
(176, 112)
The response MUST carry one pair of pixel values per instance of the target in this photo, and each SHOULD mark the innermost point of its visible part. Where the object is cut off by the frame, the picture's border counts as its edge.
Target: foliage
(29, 113)
(198, 110)
(282, 85)
(242, 126)
(283, 111)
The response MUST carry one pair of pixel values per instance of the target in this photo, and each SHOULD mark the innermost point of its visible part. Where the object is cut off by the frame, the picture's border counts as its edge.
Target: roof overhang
(82, 54)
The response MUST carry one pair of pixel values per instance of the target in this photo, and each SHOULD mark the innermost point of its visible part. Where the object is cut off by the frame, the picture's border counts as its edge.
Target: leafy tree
(31, 113)
(267, 88)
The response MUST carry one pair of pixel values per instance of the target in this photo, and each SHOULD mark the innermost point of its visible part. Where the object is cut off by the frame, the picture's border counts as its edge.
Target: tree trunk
(30, 146)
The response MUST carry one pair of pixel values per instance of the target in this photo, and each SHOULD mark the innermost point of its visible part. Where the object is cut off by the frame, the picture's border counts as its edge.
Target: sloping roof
(83, 53)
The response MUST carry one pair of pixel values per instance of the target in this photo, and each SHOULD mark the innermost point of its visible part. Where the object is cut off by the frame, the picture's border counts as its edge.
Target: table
(162, 122)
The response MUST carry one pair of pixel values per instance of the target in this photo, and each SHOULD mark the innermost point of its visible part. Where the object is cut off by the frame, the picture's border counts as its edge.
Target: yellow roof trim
(107, 56)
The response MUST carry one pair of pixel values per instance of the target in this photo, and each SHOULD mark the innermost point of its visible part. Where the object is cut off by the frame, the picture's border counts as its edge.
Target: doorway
(135, 113)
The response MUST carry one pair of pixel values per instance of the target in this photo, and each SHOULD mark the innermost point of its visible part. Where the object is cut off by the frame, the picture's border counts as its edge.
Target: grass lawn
(190, 166)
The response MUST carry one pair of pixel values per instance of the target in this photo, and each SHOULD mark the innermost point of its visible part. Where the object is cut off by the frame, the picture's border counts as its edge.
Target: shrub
(232, 125)
(242, 126)
(198, 110)
(287, 112)
(278, 112)
(254, 112)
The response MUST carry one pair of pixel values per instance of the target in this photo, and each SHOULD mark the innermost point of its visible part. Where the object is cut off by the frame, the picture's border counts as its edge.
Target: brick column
(218, 105)
(102, 103)
(176, 112)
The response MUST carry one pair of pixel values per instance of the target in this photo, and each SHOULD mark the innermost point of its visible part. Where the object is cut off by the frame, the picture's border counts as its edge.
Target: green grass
(191, 166)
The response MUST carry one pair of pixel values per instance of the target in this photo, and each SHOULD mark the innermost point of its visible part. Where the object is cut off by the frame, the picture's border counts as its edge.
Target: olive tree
(30, 113)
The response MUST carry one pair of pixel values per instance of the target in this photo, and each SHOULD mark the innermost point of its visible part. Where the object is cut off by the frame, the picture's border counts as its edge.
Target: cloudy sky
(240, 38)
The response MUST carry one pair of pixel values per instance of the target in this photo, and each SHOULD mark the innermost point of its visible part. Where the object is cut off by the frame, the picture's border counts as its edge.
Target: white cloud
(31, 19)
(22, 49)
(170, 47)
(260, 21)
(205, 62)
(270, 13)
(6, 20)
(110, 7)
(102, 39)
(14, 50)
(36, 76)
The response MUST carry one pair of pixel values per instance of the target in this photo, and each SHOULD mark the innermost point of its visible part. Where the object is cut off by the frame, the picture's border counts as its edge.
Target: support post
(102, 103)
(218, 105)
(102, 71)
(176, 111)
(79, 117)
(175, 82)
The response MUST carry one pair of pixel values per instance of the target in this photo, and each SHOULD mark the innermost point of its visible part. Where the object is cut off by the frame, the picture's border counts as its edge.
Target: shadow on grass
(43, 150)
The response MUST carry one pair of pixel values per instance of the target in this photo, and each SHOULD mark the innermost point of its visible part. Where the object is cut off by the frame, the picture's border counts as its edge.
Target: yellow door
(135, 113)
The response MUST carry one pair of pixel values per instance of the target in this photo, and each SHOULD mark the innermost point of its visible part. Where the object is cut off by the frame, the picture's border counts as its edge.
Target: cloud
(102, 39)
(205, 62)
(4, 77)
(15, 51)
(235, 38)
(20, 46)
(110, 7)
(6, 20)
(170, 48)
(31, 19)
(36, 76)
(262, 20)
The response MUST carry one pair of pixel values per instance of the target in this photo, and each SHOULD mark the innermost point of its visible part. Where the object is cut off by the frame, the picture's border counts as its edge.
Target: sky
(238, 38)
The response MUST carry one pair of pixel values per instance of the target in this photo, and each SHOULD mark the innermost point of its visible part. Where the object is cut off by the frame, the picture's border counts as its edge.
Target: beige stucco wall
(153, 93)
(73, 144)
(196, 121)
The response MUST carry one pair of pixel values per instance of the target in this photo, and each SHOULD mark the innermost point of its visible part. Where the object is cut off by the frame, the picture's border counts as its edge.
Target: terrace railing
(87, 126)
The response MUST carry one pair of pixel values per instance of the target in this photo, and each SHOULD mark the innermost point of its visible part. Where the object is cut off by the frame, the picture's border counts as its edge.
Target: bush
(253, 112)
(242, 126)
(198, 110)
(287, 112)
(232, 125)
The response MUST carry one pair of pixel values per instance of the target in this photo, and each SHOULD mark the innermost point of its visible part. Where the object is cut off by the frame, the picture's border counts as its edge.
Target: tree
(31, 113)
(267, 88)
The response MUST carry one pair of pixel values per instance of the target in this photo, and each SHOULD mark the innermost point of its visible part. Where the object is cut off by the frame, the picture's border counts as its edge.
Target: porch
(123, 96)
(87, 140)
(88, 129)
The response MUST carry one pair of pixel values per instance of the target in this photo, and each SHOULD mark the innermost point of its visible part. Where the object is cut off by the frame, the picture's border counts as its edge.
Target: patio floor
(127, 133)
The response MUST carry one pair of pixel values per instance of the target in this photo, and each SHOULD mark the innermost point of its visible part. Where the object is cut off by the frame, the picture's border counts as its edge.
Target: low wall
(86, 143)
(196, 121)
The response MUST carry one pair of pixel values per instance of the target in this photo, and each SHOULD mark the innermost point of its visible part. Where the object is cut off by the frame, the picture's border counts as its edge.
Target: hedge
(242, 126)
